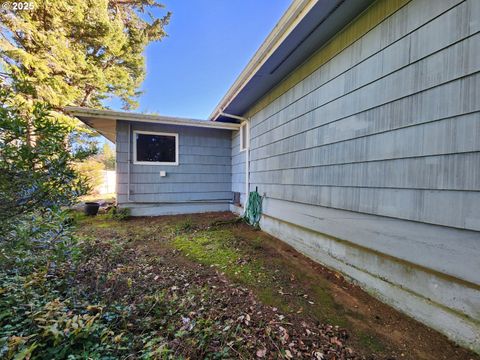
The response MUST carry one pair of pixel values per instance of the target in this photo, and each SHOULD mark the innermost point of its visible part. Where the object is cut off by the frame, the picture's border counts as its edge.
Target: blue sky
(209, 43)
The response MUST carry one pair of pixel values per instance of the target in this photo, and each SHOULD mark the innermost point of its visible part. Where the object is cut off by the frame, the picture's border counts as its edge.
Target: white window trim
(243, 128)
(135, 132)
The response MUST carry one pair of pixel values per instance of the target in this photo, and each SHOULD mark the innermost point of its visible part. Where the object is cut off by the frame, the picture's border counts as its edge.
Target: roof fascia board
(289, 21)
(157, 119)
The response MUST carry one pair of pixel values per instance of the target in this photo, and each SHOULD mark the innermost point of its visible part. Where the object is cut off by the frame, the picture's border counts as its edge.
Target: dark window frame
(136, 162)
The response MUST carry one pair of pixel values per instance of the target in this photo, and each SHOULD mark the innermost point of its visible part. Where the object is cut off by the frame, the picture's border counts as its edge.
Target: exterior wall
(238, 171)
(371, 164)
(200, 183)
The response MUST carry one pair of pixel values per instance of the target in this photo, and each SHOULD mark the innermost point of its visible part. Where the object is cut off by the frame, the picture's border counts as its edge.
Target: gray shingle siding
(203, 173)
(392, 130)
(371, 164)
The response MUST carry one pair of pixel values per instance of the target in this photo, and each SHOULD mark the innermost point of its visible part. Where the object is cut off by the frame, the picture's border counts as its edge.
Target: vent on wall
(236, 198)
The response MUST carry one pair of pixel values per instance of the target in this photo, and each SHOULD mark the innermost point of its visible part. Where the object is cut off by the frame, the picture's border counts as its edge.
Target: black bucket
(91, 208)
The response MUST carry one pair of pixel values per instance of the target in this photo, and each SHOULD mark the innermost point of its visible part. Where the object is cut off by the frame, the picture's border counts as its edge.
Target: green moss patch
(218, 248)
(370, 342)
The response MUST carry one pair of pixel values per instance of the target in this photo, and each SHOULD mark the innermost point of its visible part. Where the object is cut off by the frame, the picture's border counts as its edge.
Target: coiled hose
(253, 210)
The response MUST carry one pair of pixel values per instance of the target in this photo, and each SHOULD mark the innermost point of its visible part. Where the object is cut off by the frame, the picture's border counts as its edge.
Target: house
(359, 123)
(167, 165)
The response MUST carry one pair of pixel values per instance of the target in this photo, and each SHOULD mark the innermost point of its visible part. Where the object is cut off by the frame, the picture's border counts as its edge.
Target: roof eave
(305, 28)
(104, 121)
(294, 14)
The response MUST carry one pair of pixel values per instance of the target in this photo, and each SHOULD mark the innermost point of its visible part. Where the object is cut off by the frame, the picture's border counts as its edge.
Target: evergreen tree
(78, 52)
(108, 157)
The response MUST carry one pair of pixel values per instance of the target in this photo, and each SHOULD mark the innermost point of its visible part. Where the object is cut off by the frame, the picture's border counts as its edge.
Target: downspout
(129, 159)
(247, 164)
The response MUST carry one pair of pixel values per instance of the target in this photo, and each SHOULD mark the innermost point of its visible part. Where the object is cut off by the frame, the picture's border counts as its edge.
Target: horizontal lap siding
(189, 169)
(204, 172)
(431, 172)
(442, 106)
(152, 178)
(458, 61)
(193, 159)
(390, 126)
(413, 16)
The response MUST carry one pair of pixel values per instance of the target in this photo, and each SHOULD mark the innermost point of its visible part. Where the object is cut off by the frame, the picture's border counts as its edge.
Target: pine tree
(78, 52)
(108, 157)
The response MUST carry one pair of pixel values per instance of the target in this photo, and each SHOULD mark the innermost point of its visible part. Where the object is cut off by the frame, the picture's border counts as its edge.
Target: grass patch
(269, 296)
(326, 308)
(243, 260)
(370, 342)
(184, 226)
(217, 248)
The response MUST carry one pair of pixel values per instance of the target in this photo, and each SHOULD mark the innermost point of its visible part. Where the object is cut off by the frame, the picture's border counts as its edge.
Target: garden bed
(208, 286)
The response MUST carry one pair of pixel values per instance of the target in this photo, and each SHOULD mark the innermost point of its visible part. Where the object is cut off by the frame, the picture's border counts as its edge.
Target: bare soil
(245, 294)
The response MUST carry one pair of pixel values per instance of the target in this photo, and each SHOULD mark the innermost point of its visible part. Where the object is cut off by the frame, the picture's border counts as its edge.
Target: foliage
(116, 213)
(78, 52)
(37, 250)
(107, 157)
(61, 53)
(37, 175)
(40, 314)
(92, 170)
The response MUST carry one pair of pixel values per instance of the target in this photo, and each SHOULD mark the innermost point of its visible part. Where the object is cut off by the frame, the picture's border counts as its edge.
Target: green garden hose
(253, 210)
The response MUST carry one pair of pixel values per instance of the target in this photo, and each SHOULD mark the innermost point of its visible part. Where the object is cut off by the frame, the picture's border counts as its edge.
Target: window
(244, 136)
(153, 148)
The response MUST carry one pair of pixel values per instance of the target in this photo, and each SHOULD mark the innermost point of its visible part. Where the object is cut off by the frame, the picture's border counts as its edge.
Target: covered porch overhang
(105, 121)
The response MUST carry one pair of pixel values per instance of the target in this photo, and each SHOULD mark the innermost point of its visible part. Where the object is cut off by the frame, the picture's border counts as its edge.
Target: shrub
(92, 170)
(37, 174)
(116, 213)
(40, 316)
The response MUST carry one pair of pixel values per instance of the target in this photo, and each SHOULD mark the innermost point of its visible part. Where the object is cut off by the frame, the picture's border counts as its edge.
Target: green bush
(37, 173)
(40, 314)
(116, 213)
(92, 170)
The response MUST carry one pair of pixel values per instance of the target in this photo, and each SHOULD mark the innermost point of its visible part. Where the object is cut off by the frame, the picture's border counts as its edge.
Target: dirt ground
(240, 292)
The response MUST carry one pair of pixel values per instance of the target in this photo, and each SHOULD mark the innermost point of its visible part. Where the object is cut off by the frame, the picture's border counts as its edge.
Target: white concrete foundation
(443, 302)
(156, 209)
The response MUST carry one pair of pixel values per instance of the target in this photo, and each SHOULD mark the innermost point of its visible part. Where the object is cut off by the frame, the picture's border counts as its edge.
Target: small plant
(116, 213)
(184, 226)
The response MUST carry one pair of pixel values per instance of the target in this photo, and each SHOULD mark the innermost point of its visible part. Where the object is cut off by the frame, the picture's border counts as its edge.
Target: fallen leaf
(261, 353)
